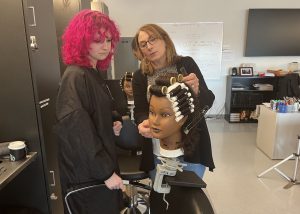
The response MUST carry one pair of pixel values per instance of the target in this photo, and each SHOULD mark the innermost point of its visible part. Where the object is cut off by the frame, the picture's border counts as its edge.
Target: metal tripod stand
(293, 180)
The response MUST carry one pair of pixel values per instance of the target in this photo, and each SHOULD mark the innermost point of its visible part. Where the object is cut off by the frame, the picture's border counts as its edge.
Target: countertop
(9, 169)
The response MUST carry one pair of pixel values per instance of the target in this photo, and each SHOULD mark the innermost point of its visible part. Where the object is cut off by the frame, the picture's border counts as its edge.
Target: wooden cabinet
(243, 93)
(277, 133)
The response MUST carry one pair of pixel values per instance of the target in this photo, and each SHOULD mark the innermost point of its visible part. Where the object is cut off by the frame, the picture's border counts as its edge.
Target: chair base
(131, 210)
(137, 201)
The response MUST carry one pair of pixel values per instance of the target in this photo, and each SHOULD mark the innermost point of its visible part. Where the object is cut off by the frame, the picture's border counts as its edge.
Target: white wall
(131, 14)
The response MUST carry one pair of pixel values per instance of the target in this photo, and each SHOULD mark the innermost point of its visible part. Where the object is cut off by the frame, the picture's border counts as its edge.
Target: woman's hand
(117, 126)
(144, 129)
(114, 182)
(192, 81)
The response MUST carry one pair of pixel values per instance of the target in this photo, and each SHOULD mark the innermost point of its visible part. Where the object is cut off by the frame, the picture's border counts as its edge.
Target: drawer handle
(33, 15)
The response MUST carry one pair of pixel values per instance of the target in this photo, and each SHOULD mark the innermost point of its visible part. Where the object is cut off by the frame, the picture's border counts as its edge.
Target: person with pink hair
(84, 126)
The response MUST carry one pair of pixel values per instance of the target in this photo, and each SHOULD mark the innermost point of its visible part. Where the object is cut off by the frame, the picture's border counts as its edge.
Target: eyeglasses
(152, 40)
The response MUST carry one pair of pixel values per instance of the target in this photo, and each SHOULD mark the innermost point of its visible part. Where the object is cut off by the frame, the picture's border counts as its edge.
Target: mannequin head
(126, 85)
(170, 111)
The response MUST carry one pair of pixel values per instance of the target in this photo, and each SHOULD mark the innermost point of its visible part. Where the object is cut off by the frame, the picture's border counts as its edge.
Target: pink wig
(81, 32)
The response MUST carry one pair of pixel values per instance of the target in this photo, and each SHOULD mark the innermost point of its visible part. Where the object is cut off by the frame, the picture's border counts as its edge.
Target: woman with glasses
(158, 56)
(87, 153)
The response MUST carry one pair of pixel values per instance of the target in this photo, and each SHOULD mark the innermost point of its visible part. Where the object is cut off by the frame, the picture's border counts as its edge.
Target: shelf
(241, 95)
(9, 169)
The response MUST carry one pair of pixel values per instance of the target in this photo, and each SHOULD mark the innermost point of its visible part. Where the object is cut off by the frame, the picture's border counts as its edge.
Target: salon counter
(277, 133)
(9, 170)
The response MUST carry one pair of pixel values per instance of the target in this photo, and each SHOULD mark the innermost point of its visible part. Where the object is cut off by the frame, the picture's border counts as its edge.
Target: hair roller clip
(180, 78)
(172, 80)
(164, 90)
(128, 76)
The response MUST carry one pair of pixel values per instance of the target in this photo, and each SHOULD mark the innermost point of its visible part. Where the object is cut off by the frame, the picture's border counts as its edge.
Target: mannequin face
(162, 120)
(128, 88)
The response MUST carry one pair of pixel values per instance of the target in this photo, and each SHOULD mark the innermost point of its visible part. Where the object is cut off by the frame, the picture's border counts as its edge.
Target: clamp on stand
(293, 180)
(168, 167)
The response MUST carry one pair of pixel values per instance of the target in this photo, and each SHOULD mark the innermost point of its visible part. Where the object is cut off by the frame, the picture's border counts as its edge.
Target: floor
(234, 187)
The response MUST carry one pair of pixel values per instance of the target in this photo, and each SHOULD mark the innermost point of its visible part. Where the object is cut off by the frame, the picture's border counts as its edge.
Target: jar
(293, 66)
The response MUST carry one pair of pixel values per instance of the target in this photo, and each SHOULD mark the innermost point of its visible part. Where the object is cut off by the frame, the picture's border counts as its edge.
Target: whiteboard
(200, 40)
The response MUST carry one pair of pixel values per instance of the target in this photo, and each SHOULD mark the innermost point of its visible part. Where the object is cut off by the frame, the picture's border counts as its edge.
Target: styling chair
(129, 158)
(136, 198)
(73, 192)
(186, 196)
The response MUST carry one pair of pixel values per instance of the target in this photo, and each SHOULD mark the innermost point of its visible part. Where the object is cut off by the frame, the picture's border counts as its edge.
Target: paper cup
(17, 150)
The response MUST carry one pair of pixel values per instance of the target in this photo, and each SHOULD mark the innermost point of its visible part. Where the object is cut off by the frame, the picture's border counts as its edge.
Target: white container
(17, 150)
(293, 66)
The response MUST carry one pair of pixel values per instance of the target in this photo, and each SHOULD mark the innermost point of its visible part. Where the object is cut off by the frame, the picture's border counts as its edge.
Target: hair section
(177, 93)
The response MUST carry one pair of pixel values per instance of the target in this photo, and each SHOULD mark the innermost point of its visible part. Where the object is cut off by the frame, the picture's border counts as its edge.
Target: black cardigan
(202, 152)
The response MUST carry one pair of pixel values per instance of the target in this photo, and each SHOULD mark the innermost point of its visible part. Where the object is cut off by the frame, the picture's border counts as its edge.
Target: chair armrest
(185, 179)
(75, 190)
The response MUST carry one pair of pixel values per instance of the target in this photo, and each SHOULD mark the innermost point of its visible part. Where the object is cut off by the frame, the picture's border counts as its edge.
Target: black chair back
(129, 138)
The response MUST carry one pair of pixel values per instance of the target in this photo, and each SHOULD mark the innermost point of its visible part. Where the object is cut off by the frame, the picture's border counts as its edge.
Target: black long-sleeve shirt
(86, 151)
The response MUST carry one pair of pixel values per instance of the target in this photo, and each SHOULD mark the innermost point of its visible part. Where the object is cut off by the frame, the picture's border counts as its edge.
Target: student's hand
(114, 182)
(144, 129)
(117, 126)
(192, 81)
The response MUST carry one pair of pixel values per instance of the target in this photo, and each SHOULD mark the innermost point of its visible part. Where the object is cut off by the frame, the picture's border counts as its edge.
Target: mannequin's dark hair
(168, 86)
(128, 77)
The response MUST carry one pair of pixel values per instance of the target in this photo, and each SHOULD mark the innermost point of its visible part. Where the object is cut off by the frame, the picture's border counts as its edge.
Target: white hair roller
(178, 118)
(174, 104)
(171, 87)
(178, 113)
